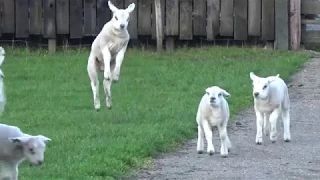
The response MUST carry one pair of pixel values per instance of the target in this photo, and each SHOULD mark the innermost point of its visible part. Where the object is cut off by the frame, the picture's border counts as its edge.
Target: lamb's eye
(219, 94)
(265, 86)
(31, 151)
(116, 18)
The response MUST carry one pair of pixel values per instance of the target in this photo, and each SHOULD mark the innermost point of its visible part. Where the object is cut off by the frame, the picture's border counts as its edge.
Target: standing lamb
(271, 99)
(15, 147)
(213, 110)
(2, 92)
(107, 52)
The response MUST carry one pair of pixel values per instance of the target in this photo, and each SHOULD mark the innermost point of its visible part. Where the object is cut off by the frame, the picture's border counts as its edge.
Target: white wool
(213, 110)
(107, 52)
(271, 101)
(15, 147)
(2, 89)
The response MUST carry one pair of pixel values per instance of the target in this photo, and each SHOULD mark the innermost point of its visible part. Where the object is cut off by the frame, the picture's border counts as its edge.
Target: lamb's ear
(225, 93)
(112, 7)
(44, 138)
(130, 8)
(278, 75)
(19, 140)
(253, 76)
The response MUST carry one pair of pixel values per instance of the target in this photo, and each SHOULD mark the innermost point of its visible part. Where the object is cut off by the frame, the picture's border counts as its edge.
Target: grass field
(154, 104)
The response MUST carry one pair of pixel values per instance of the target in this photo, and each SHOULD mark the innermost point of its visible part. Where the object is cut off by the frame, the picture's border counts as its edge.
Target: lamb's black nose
(256, 94)
(121, 26)
(212, 99)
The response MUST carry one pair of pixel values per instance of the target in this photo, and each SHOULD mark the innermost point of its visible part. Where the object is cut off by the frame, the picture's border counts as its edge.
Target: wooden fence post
(157, 5)
(282, 24)
(295, 24)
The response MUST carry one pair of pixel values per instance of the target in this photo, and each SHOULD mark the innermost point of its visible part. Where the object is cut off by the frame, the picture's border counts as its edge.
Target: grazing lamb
(15, 147)
(107, 52)
(213, 110)
(2, 92)
(271, 99)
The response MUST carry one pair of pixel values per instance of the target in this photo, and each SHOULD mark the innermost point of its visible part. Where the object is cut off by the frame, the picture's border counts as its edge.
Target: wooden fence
(266, 20)
(309, 8)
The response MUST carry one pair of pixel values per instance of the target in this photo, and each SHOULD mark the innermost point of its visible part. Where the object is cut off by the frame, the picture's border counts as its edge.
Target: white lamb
(271, 99)
(107, 52)
(2, 92)
(15, 147)
(213, 110)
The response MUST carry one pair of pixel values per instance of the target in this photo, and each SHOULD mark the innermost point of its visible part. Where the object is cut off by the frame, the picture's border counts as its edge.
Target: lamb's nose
(39, 162)
(121, 26)
(212, 99)
(256, 94)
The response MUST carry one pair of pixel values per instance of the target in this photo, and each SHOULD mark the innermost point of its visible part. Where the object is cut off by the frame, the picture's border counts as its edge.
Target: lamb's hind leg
(286, 125)
(94, 81)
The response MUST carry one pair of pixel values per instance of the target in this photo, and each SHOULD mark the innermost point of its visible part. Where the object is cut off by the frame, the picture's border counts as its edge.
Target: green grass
(154, 104)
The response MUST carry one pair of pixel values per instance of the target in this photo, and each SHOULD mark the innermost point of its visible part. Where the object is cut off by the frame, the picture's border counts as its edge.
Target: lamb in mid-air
(107, 52)
(271, 100)
(15, 147)
(213, 110)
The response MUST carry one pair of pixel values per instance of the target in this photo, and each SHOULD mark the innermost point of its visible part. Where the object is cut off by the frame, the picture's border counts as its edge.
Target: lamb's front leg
(266, 124)
(119, 60)
(208, 135)
(259, 122)
(273, 125)
(107, 81)
(200, 143)
(224, 141)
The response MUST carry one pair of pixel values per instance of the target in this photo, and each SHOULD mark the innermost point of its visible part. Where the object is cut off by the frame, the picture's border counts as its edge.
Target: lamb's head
(261, 86)
(33, 147)
(216, 95)
(121, 17)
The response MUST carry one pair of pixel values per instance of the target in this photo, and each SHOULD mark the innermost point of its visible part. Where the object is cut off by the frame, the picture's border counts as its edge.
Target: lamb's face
(33, 147)
(215, 95)
(260, 86)
(121, 17)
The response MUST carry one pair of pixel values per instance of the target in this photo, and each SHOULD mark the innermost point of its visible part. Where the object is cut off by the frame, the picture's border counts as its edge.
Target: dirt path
(298, 159)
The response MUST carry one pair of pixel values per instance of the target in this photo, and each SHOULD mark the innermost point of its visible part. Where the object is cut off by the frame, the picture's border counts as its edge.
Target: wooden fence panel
(103, 14)
(35, 26)
(8, 16)
(254, 17)
(90, 17)
(153, 23)
(267, 24)
(133, 23)
(49, 19)
(144, 15)
(240, 20)
(172, 17)
(226, 24)
(213, 16)
(76, 19)
(118, 3)
(199, 17)
(185, 20)
(310, 7)
(62, 14)
(22, 18)
(282, 24)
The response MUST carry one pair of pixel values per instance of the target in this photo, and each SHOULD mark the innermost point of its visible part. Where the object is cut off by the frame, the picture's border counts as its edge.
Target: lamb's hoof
(109, 107)
(229, 150)
(211, 153)
(97, 109)
(287, 140)
(258, 143)
(224, 156)
(273, 141)
(200, 152)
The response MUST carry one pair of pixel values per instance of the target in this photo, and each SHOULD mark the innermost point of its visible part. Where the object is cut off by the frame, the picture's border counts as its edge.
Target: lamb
(107, 52)
(271, 99)
(213, 110)
(15, 147)
(2, 92)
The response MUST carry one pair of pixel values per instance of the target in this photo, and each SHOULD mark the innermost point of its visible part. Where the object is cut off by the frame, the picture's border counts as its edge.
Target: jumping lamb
(2, 91)
(213, 110)
(15, 147)
(271, 99)
(107, 52)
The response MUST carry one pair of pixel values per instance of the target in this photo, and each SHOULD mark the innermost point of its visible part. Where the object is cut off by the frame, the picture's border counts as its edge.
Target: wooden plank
(159, 23)
(307, 21)
(226, 24)
(35, 26)
(281, 24)
(153, 22)
(76, 19)
(62, 14)
(89, 24)
(240, 20)
(310, 7)
(172, 18)
(310, 37)
(268, 22)
(133, 23)
(199, 17)
(49, 19)
(22, 18)
(103, 14)
(52, 45)
(118, 3)
(144, 17)
(213, 19)
(8, 16)
(185, 20)
(254, 17)
(295, 24)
